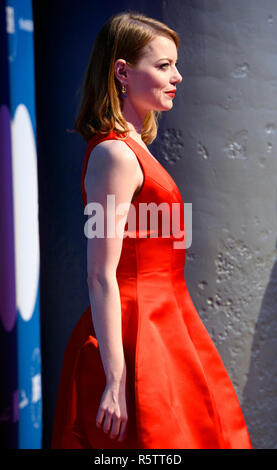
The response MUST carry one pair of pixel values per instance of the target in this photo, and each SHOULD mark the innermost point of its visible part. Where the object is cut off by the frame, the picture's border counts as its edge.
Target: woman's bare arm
(113, 170)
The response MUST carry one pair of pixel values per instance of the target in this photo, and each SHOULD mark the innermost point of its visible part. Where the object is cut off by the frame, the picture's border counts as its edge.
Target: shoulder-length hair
(123, 36)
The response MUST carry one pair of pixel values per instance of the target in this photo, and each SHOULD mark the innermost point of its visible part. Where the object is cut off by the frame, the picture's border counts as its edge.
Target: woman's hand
(112, 414)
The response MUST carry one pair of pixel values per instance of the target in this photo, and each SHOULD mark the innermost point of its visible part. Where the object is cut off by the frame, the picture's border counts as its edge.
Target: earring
(124, 91)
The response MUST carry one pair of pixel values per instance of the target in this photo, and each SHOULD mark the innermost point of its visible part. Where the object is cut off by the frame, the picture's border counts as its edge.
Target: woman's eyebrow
(167, 58)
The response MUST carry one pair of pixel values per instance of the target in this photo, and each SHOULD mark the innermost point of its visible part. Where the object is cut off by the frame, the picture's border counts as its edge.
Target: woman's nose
(180, 78)
(177, 78)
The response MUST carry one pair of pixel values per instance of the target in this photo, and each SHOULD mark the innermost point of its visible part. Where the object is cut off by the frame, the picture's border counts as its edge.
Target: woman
(140, 370)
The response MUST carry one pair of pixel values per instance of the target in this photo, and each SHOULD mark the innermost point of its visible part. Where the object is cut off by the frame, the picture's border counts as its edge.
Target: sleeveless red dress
(179, 394)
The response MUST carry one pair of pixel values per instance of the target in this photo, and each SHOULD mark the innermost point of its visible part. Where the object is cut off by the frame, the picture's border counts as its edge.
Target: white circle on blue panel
(25, 190)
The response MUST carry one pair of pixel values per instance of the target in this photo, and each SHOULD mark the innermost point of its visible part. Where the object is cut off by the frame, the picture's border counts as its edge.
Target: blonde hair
(123, 36)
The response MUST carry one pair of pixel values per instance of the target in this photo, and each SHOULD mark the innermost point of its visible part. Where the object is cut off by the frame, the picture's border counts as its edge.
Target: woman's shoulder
(112, 164)
(112, 152)
(110, 158)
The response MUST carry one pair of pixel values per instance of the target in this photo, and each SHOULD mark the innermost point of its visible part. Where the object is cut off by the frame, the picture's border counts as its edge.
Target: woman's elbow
(97, 277)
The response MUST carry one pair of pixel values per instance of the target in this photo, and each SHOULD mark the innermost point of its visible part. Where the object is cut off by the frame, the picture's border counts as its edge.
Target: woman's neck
(135, 132)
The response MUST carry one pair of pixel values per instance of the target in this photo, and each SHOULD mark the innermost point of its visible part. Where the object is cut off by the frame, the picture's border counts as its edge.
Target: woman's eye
(165, 65)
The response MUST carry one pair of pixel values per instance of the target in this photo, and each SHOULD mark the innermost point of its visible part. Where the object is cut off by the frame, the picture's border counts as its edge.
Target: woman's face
(154, 75)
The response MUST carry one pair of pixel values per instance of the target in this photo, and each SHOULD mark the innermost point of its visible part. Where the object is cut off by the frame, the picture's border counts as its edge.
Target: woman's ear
(120, 70)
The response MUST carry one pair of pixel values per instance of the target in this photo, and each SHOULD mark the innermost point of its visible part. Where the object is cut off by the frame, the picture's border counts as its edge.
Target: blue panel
(25, 192)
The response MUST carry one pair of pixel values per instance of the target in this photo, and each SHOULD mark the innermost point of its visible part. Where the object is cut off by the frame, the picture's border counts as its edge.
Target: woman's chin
(164, 106)
(167, 107)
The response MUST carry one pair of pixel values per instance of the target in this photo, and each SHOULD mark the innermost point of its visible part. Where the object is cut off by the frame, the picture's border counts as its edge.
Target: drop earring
(124, 91)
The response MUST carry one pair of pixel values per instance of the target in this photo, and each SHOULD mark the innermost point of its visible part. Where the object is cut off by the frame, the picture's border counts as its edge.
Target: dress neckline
(141, 146)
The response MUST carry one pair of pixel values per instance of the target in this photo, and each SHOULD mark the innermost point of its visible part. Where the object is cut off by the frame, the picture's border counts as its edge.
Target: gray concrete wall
(219, 144)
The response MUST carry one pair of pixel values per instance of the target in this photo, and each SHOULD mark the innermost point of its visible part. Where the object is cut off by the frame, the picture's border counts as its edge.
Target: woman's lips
(172, 94)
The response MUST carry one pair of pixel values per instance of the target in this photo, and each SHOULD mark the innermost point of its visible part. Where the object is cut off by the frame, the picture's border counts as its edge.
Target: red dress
(179, 394)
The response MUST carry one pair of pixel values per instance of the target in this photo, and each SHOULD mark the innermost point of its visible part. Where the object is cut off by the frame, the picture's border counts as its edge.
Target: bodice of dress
(153, 243)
